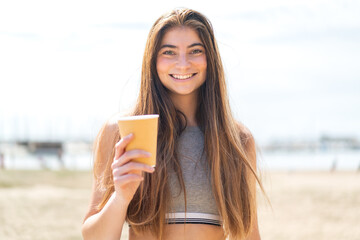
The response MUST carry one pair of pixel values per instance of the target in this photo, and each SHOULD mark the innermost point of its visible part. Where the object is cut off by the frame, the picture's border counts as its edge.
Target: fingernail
(130, 135)
(148, 154)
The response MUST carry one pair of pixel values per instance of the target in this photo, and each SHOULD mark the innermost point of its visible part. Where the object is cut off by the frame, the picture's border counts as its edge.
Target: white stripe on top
(195, 218)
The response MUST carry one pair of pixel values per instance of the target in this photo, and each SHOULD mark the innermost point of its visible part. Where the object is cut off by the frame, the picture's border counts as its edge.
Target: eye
(169, 52)
(196, 51)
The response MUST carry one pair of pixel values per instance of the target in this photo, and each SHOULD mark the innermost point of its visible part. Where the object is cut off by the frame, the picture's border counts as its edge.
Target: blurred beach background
(292, 70)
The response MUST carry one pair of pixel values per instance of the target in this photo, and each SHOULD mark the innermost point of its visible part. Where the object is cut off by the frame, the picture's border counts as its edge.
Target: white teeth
(182, 76)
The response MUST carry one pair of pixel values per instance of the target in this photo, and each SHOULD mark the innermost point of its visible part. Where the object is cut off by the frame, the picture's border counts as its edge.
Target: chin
(183, 92)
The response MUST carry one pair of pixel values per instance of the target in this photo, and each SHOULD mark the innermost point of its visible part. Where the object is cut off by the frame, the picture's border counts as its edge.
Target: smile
(182, 76)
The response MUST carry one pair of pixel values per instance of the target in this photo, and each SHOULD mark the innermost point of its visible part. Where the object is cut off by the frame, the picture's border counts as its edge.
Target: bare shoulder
(248, 142)
(106, 140)
(246, 136)
(111, 125)
(103, 155)
(109, 129)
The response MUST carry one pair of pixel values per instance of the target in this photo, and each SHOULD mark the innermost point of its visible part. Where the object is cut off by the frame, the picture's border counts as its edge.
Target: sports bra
(200, 201)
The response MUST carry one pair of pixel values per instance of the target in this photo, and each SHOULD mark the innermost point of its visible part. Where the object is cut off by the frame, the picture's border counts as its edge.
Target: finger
(121, 145)
(128, 178)
(132, 167)
(128, 156)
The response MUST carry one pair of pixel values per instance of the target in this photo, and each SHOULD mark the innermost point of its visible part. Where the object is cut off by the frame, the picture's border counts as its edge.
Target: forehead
(181, 36)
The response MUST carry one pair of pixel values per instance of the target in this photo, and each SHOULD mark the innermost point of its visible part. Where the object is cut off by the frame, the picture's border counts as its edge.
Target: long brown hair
(225, 140)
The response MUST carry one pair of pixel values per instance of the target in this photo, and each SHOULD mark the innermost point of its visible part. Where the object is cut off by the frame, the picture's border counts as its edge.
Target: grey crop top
(201, 204)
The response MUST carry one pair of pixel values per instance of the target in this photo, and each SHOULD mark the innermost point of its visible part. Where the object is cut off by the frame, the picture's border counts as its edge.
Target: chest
(196, 175)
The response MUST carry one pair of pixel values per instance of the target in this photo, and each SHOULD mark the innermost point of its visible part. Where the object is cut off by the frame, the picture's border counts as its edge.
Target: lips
(182, 76)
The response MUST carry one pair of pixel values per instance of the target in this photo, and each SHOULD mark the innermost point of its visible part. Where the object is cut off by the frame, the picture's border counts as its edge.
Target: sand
(305, 205)
(313, 205)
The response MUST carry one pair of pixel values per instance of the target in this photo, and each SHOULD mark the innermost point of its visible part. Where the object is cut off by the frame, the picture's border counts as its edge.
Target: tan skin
(181, 55)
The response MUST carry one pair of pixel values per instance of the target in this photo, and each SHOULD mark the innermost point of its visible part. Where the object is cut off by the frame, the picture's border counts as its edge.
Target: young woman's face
(181, 61)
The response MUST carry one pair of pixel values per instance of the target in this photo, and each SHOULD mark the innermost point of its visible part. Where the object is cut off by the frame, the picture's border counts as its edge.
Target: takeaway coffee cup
(145, 130)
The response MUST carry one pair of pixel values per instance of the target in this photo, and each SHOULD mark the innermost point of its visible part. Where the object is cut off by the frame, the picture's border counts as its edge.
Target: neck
(187, 104)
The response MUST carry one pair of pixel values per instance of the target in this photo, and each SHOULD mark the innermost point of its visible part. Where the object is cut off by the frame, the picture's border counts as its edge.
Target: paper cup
(145, 130)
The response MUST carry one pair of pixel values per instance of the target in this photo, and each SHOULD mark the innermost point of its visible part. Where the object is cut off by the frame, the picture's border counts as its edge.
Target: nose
(183, 62)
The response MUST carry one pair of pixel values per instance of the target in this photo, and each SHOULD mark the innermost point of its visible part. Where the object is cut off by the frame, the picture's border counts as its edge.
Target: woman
(205, 178)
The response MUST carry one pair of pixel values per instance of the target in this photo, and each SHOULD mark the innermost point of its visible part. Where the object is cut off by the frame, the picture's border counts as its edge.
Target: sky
(292, 67)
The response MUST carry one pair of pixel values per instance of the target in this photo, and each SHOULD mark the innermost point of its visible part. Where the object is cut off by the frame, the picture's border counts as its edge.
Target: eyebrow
(190, 46)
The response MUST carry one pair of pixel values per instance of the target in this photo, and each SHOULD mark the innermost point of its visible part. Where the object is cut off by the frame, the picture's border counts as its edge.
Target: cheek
(202, 63)
(162, 65)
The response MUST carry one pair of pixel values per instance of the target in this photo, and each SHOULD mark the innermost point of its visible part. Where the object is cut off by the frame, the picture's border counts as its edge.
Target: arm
(255, 234)
(108, 222)
(250, 149)
(101, 224)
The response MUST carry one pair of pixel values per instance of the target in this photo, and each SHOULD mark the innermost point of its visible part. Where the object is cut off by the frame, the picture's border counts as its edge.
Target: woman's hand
(128, 174)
